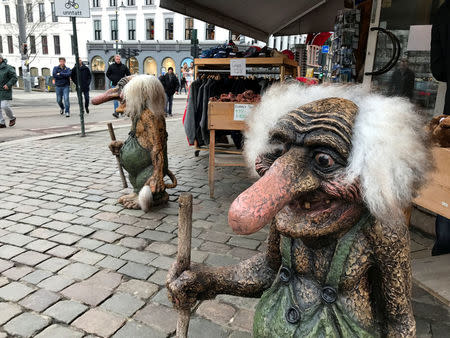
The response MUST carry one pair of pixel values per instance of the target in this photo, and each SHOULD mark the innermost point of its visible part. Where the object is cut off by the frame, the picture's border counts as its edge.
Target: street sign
(72, 8)
(325, 49)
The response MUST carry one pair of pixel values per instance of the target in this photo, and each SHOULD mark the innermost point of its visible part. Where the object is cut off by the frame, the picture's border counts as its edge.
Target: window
(188, 27)
(17, 14)
(97, 30)
(7, 14)
(57, 45)
(112, 3)
(210, 31)
(44, 44)
(1, 45)
(95, 3)
(54, 17)
(32, 44)
(41, 12)
(29, 12)
(131, 2)
(169, 28)
(150, 29)
(10, 45)
(113, 24)
(131, 29)
(149, 2)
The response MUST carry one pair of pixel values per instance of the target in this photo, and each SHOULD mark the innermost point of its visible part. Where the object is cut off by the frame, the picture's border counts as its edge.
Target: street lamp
(117, 26)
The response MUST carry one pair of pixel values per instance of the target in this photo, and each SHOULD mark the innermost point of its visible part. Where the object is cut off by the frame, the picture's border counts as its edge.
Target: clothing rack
(221, 114)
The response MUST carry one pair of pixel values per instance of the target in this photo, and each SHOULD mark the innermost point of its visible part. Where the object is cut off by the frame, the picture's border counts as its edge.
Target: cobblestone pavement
(73, 263)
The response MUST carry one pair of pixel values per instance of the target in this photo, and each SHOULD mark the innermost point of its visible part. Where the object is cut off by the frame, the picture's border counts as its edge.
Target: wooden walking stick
(113, 138)
(184, 254)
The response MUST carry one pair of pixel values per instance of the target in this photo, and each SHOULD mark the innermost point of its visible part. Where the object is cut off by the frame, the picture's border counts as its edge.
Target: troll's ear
(439, 128)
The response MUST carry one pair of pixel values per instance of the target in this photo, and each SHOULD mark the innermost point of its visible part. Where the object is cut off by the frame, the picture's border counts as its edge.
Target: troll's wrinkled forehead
(327, 122)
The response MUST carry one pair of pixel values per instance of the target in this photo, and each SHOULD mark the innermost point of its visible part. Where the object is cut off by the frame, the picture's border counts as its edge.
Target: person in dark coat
(8, 78)
(171, 84)
(116, 71)
(61, 76)
(440, 67)
(402, 81)
(85, 82)
(440, 49)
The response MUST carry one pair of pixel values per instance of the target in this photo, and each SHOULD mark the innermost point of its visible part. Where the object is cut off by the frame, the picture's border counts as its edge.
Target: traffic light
(24, 48)
(195, 49)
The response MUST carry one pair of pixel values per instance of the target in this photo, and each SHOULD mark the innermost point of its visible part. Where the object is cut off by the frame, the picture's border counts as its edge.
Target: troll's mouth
(314, 204)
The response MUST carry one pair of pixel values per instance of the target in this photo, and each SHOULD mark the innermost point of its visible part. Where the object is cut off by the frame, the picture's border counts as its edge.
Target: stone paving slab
(74, 263)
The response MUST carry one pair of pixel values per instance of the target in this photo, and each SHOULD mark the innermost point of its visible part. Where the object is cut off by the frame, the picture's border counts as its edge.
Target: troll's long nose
(110, 94)
(288, 177)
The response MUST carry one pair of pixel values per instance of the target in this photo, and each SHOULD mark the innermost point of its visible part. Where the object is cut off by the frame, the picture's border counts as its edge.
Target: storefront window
(168, 62)
(411, 77)
(133, 65)
(150, 66)
(97, 64)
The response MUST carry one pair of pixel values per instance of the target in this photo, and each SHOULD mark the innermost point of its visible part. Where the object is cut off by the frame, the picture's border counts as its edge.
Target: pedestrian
(61, 75)
(85, 82)
(171, 84)
(8, 78)
(116, 71)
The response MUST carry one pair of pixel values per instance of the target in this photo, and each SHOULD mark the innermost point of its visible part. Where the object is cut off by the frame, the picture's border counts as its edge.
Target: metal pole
(117, 31)
(22, 40)
(77, 67)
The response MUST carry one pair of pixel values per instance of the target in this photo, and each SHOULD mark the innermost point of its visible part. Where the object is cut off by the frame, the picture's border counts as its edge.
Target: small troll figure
(144, 154)
(337, 167)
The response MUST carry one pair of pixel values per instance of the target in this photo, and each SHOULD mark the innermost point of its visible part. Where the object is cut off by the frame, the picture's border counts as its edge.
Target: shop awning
(261, 18)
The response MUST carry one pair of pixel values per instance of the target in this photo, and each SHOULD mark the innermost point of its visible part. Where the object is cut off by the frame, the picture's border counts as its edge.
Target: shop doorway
(168, 62)
(150, 66)
(98, 72)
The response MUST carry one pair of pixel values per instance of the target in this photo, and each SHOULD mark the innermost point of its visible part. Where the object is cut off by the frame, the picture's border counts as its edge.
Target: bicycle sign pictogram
(72, 3)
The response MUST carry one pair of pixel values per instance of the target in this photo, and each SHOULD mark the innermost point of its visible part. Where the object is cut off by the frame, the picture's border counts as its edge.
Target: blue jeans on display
(63, 92)
(169, 101)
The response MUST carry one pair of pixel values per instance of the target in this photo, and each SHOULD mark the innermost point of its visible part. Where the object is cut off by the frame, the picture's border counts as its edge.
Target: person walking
(8, 78)
(171, 84)
(116, 71)
(61, 75)
(85, 82)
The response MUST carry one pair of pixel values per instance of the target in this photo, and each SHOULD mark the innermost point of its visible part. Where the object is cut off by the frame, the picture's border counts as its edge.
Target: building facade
(48, 37)
(162, 38)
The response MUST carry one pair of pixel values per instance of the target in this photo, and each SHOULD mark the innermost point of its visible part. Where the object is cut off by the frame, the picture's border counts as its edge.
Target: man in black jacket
(85, 82)
(440, 67)
(171, 84)
(115, 73)
(440, 49)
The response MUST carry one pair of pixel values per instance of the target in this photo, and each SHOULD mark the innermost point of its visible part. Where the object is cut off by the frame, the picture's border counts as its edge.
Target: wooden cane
(113, 138)
(184, 254)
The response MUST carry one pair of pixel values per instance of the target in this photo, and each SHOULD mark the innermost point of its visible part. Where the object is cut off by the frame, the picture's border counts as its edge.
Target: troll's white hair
(144, 92)
(389, 153)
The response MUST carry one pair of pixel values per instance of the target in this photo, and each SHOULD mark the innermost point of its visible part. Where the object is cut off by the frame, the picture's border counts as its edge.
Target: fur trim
(144, 92)
(389, 154)
(145, 198)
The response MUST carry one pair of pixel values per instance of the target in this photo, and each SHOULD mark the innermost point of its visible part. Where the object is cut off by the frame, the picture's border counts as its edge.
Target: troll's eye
(323, 160)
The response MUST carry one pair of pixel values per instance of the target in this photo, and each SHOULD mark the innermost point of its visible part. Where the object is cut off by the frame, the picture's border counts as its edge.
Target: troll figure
(144, 154)
(338, 166)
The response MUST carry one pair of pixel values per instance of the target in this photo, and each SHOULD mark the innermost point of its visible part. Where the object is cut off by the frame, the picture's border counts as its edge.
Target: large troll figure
(337, 167)
(144, 154)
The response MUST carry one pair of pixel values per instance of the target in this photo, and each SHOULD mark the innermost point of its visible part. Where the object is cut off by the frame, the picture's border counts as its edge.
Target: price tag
(238, 67)
(241, 111)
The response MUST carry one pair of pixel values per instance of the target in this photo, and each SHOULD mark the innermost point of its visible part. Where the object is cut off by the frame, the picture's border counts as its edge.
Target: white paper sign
(72, 8)
(419, 38)
(238, 67)
(241, 111)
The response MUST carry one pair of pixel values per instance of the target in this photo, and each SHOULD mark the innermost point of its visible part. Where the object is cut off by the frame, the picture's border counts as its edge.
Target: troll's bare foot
(130, 201)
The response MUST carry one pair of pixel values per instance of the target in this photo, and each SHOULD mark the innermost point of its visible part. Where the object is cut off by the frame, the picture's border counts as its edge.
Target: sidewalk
(73, 262)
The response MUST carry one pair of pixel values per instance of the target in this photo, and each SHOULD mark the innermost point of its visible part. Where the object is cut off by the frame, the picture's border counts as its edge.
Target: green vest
(279, 315)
